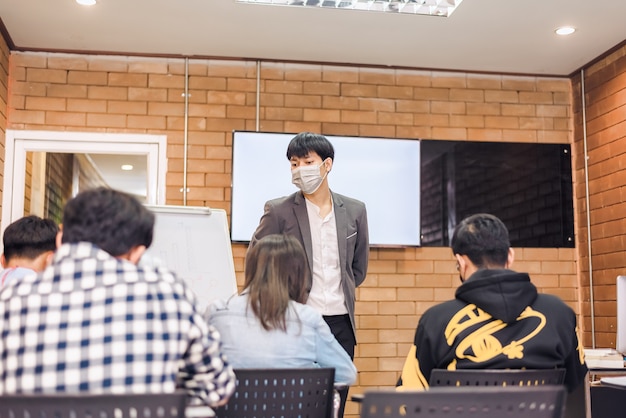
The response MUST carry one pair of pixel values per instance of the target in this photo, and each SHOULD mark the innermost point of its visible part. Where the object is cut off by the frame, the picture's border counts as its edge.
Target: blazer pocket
(351, 235)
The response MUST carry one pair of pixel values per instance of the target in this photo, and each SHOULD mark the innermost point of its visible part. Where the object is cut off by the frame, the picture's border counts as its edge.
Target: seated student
(268, 325)
(93, 321)
(29, 244)
(497, 319)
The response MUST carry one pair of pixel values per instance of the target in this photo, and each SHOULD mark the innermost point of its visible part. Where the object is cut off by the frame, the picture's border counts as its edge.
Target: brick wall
(124, 94)
(59, 177)
(4, 96)
(605, 98)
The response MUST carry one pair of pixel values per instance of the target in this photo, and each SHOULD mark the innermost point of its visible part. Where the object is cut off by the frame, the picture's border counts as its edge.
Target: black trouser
(341, 328)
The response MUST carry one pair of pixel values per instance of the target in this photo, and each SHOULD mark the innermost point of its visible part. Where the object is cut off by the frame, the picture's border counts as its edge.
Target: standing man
(497, 320)
(93, 321)
(332, 229)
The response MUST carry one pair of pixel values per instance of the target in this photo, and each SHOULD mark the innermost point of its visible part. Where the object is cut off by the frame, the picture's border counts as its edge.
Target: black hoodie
(503, 294)
(497, 321)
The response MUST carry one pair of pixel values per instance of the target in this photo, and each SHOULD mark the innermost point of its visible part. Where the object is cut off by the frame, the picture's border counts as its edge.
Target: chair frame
(89, 405)
(479, 402)
(496, 377)
(288, 393)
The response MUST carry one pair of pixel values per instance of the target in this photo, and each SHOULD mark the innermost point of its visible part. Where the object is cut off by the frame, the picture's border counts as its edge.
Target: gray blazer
(288, 215)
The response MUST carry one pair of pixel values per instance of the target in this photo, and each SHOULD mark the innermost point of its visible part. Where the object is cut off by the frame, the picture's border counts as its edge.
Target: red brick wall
(605, 98)
(124, 94)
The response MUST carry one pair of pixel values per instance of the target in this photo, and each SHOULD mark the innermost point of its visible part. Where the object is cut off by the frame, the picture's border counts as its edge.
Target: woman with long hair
(268, 325)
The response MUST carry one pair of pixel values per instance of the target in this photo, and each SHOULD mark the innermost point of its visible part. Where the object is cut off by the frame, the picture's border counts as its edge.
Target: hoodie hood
(503, 294)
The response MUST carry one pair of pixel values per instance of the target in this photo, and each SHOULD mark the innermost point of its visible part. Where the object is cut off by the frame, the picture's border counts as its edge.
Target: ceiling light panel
(421, 7)
(565, 30)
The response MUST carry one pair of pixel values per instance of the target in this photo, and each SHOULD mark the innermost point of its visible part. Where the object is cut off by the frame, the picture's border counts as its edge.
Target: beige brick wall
(128, 94)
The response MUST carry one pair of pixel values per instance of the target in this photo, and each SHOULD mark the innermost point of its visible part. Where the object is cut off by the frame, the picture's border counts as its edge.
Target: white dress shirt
(326, 295)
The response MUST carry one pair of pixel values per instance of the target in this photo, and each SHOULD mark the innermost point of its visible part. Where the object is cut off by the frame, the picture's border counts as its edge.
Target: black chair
(457, 402)
(274, 393)
(496, 377)
(86, 405)
(576, 404)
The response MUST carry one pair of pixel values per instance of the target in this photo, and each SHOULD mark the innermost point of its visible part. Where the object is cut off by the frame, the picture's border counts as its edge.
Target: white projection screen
(384, 173)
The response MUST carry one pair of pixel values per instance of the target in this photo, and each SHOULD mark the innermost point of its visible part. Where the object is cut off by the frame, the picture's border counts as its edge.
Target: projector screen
(383, 173)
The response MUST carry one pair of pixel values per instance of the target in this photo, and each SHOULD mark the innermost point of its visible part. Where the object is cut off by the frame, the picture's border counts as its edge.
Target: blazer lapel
(341, 219)
(299, 209)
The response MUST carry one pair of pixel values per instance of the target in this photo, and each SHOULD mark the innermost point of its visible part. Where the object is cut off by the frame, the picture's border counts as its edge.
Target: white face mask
(307, 178)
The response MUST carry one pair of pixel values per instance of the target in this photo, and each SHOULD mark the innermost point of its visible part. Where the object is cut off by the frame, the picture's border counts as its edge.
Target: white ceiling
(134, 181)
(502, 36)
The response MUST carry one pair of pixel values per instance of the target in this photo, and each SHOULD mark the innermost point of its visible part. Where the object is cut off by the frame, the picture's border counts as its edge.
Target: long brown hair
(276, 272)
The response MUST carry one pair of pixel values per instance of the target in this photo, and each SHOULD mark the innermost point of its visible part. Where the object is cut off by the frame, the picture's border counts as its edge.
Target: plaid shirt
(94, 323)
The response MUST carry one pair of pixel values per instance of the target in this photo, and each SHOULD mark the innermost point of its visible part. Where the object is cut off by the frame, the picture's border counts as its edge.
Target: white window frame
(20, 142)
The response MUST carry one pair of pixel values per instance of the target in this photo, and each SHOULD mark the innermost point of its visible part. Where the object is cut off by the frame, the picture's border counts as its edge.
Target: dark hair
(276, 272)
(305, 142)
(484, 239)
(112, 220)
(29, 237)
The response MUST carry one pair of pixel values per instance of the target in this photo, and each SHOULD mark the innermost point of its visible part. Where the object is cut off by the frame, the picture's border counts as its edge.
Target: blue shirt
(307, 343)
(14, 273)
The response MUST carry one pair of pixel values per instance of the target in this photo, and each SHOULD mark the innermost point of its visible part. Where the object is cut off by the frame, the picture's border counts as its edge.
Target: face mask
(307, 178)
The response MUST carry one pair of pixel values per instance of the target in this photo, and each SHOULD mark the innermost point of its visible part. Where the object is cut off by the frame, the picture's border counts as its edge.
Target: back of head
(114, 221)
(484, 239)
(276, 272)
(29, 237)
(305, 142)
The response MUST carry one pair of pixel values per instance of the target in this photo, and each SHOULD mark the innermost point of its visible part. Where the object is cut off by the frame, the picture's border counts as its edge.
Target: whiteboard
(194, 242)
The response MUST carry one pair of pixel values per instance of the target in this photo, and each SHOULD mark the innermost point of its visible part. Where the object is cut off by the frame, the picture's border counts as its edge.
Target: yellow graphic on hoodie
(481, 345)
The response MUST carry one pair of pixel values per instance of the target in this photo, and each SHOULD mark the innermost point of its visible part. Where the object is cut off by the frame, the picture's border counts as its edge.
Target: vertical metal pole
(186, 131)
(258, 93)
(592, 301)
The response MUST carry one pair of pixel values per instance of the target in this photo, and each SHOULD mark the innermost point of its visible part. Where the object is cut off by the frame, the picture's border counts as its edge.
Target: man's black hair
(484, 239)
(112, 220)
(305, 142)
(29, 237)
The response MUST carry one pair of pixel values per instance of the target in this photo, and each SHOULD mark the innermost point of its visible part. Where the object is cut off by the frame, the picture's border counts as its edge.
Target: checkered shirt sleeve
(93, 323)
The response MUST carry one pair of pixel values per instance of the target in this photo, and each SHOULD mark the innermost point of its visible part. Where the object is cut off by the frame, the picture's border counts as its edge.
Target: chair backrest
(478, 402)
(288, 393)
(86, 405)
(496, 377)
